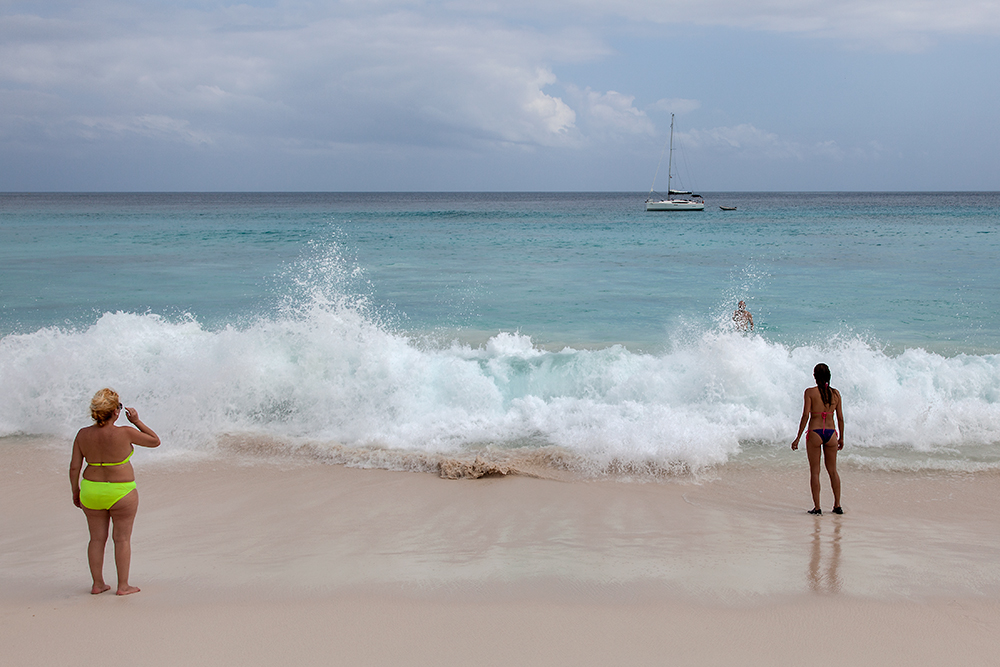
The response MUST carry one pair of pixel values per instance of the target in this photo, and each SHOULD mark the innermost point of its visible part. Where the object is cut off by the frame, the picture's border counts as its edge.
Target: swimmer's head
(822, 374)
(104, 405)
(742, 305)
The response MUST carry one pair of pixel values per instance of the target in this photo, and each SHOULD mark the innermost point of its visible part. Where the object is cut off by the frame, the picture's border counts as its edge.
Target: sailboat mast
(670, 158)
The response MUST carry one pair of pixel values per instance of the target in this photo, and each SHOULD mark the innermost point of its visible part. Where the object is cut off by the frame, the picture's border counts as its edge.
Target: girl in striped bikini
(820, 404)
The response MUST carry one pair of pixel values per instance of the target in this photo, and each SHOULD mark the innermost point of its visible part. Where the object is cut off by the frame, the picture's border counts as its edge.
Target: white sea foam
(328, 374)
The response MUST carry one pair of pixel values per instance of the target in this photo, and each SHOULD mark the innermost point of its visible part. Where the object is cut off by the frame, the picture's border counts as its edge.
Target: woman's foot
(815, 510)
(97, 589)
(838, 510)
(127, 590)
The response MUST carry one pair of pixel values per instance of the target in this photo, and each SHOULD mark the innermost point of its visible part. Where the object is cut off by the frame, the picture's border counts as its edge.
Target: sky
(489, 95)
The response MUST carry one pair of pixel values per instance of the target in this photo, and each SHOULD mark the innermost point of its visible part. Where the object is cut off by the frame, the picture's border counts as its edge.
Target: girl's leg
(97, 522)
(830, 458)
(814, 448)
(123, 516)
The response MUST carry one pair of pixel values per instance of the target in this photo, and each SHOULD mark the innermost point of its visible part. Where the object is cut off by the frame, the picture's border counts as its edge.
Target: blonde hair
(103, 406)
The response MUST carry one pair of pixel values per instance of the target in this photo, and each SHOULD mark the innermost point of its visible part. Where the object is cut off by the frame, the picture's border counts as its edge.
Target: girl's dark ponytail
(822, 374)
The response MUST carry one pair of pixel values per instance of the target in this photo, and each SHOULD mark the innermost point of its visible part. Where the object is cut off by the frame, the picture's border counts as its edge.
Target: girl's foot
(127, 590)
(97, 589)
(838, 510)
(815, 510)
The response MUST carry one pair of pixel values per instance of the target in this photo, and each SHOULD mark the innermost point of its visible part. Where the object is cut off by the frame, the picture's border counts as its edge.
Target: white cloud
(612, 113)
(549, 113)
(739, 137)
(354, 76)
(748, 140)
(677, 106)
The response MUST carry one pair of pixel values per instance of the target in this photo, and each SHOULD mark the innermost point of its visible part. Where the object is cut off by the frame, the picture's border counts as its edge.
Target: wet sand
(266, 562)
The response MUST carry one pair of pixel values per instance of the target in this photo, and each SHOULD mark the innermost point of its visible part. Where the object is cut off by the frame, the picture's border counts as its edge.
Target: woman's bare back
(107, 444)
(821, 415)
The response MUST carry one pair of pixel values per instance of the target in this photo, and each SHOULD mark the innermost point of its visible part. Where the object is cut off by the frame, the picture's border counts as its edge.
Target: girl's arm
(804, 420)
(840, 421)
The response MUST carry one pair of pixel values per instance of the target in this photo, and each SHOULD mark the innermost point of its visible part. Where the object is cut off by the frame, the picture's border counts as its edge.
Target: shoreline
(257, 561)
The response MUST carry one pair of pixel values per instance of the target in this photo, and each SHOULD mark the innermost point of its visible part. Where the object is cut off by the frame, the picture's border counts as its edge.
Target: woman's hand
(146, 437)
(795, 444)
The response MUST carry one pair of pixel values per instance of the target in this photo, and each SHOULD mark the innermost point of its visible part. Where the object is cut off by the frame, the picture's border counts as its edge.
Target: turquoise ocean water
(574, 329)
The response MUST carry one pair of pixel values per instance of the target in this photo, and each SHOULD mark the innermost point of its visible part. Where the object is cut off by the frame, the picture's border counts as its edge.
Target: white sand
(316, 564)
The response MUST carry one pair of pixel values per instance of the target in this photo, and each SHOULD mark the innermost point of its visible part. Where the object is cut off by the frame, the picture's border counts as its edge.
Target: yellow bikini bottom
(103, 495)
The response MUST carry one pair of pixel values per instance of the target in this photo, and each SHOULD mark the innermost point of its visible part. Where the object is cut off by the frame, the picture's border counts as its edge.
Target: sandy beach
(266, 561)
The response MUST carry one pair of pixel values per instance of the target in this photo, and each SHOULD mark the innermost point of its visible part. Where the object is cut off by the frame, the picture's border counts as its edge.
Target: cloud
(905, 25)
(610, 114)
(464, 74)
(322, 75)
(399, 80)
(148, 126)
(677, 106)
(748, 140)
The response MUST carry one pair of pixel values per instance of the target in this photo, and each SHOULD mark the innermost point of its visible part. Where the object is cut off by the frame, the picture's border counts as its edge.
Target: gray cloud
(746, 139)
(882, 24)
(394, 80)
(328, 78)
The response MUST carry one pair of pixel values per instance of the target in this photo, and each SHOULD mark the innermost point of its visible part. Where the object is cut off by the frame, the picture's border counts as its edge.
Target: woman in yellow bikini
(821, 403)
(107, 491)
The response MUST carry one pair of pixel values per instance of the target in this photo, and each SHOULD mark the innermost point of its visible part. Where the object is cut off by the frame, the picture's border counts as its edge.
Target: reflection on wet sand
(824, 573)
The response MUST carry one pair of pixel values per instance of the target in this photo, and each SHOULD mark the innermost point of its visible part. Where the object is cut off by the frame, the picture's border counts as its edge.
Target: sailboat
(674, 200)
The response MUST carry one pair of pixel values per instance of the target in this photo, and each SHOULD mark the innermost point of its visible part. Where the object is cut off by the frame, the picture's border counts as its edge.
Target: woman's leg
(123, 516)
(97, 522)
(830, 458)
(814, 448)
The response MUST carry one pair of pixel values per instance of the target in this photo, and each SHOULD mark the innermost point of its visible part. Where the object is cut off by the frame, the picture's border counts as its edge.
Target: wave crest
(329, 372)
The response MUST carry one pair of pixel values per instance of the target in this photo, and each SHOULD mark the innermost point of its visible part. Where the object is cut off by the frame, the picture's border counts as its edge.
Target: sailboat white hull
(675, 205)
(669, 204)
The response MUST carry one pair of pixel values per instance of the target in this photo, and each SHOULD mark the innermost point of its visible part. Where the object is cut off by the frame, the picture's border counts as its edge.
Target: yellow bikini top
(113, 464)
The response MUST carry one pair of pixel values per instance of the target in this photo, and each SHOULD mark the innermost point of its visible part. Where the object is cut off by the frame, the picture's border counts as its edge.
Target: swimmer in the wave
(742, 317)
(820, 404)
(107, 493)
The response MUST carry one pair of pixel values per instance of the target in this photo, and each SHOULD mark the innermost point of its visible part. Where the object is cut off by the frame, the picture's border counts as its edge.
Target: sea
(520, 331)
